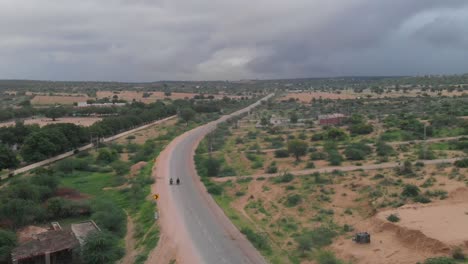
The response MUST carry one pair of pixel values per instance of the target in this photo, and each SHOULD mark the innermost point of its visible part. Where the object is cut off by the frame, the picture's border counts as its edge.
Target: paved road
(194, 228)
(385, 165)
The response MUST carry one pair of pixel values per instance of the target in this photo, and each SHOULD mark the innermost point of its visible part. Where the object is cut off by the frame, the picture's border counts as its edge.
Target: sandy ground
(81, 121)
(145, 134)
(423, 231)
(57, 99)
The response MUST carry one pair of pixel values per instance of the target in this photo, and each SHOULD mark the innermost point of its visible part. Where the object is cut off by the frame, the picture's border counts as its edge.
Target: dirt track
(385, 165)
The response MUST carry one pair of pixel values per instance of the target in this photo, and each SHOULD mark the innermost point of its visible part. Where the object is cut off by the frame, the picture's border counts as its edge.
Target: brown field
(82, 121)
(138, 96)
(306, 97)
(56, 99)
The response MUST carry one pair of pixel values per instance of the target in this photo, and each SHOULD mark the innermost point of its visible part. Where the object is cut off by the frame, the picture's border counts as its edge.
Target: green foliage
(421, 199)
(318, 155)
(410, 190)
(327, 257)
(383, 149)
(315, 239)
(8, 158)
(212, 166)
(215, 189)
(334, 157)
(458, 254)
(393, 218)
(361, 129)
(187, 114)
(293, 200)
(357, 151)
(109, 216)
(463, 163)
(7, 243)
(284, 178)
(298, 148)
(440, 260)
(107, 156)
(101, 247)
(258, 240)
(272, 168)
(336, 134)
(281, 153)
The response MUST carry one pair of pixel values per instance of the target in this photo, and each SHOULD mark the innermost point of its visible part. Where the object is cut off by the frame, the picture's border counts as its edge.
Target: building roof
(83, 229)
(48, 242)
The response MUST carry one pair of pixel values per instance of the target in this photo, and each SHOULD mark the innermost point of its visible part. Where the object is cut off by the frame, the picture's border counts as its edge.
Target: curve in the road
(194, 228)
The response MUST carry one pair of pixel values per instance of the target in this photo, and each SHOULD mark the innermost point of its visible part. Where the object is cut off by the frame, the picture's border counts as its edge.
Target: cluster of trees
(40, 143)
(359, 126)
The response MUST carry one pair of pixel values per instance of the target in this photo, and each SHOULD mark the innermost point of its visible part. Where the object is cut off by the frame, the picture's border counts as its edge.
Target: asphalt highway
(192, 223)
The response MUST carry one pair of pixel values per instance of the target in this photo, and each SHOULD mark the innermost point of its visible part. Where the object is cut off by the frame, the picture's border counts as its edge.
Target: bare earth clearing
(423, 231)
(80, 121)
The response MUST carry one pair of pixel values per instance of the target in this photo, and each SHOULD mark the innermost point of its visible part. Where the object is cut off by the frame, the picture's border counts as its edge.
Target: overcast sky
(146, 40)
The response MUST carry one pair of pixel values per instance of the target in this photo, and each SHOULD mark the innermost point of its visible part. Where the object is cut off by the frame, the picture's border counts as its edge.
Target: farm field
(57, 99)
(43, 121)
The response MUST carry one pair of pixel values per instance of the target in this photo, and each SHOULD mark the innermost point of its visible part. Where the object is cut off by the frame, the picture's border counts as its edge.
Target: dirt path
(385, 165)
(130, 243)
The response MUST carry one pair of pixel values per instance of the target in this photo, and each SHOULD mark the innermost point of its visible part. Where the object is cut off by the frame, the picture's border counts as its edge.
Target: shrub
(410, 190)
(297, 148)
(310, 165)
(357, 151)
(284, 178)
(327, 257)
(281, 153)
(393, 218)
(458, 254)
(259, 241)
(101, 247)
(318, 155)
(215, 189)
(317, 238)
(272, 168)
(7, 243)
(422, 199)
(293, 200)
(463, 163)
(440, 260)
(212, 167)
(335, 158)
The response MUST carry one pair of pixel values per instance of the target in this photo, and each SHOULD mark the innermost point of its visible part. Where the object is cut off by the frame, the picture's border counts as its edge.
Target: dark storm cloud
(142, 40)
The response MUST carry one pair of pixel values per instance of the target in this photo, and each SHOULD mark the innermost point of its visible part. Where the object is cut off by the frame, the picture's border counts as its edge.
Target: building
(52, 246)
(331, 119)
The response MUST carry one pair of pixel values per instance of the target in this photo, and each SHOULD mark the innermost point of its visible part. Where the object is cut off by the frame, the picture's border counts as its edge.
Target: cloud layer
(143, 40)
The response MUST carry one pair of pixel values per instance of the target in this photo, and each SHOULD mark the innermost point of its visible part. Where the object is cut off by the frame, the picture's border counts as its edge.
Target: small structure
(83, 229)
(331, 119)
(362, 238)
(53, 246)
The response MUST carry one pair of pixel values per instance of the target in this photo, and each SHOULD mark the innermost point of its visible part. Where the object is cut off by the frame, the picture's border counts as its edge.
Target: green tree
(7, 158)
(7, 243)
(293, 118)
(298, 148)
(213, 167)
(55, 112)
(101, 247)
(107, 156)
(187, 114)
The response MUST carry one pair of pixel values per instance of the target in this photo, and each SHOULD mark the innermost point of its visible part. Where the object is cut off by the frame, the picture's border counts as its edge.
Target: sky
(151, 40)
